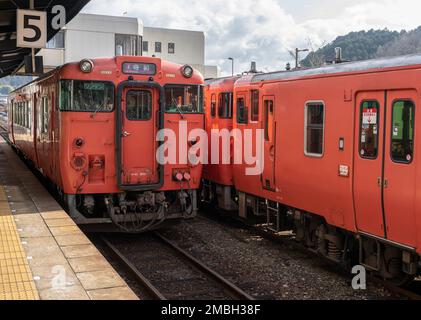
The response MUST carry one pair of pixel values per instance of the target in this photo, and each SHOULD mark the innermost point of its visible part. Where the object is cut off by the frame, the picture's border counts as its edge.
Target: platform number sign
(31, 29)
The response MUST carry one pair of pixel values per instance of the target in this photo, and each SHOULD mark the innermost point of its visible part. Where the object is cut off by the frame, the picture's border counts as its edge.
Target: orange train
(91, 129)
(340, 152)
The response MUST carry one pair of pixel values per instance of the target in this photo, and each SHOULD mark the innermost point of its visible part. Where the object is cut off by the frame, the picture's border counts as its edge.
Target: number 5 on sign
(31, 29)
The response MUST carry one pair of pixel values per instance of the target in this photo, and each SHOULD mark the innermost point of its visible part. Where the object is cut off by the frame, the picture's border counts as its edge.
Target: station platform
(43, 254)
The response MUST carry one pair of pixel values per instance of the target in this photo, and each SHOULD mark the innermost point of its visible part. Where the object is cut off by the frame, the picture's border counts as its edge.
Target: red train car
(217, 175)
(341, 149)
(92, 129)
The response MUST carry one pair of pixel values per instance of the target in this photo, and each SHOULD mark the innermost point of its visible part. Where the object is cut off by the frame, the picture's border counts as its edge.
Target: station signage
(31, 29)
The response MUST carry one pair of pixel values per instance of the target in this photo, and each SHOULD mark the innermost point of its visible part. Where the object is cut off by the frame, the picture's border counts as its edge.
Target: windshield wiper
(99, 108)
(175, 104)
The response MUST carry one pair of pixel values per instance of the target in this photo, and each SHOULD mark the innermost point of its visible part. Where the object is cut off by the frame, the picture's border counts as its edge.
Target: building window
(369, 131)
(145, 46)
(241, 111)
(225, 105)
(314, 125)
(158, 47)
(126, 45)
(139, 105)
(57, 42)
(403, 131)
(171, 48)
(255, 105)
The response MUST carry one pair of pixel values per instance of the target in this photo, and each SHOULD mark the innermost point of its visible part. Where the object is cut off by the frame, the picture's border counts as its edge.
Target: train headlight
(86, 66)
(187, 176)
(187, 71)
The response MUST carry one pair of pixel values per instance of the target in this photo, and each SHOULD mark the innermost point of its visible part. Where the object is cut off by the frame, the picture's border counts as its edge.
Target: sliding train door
(384, 171)
(269, 127)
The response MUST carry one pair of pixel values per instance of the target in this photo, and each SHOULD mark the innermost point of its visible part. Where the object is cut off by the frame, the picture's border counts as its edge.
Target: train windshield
(184, 99)
(86, 96)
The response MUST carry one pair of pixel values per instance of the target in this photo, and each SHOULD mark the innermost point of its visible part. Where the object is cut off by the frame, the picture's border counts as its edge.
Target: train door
(42, 132)
(139, 112)
(269, 127)
(384, 173)
(399, 179)
(368, 162)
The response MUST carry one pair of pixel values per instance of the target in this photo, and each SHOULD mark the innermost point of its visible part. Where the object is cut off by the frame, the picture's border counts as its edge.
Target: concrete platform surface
(43, 253)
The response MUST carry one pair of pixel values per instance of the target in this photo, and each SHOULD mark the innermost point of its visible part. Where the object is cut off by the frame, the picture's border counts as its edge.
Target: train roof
(347, 67)
(217, 81)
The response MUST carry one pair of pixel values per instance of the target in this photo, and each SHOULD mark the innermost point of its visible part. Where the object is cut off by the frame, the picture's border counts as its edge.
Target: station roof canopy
(11, 57)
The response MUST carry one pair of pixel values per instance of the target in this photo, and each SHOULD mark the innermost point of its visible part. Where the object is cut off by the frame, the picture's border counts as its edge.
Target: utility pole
(297, 53)
(232, 64)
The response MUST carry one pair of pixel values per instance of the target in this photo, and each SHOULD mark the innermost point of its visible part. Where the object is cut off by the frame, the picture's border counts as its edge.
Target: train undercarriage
(132, 212)
(388, 260)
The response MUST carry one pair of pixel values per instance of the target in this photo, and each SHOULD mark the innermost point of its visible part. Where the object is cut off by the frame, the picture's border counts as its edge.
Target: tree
(5, 89)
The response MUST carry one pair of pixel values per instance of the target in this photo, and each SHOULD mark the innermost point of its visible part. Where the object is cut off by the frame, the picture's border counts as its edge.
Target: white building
(92, 36)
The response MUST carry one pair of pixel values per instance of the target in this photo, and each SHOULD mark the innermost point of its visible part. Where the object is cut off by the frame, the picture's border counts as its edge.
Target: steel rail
(233, 290)
(152, 290)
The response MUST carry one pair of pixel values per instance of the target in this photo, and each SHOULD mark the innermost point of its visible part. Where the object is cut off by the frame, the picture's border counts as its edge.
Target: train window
(314, 126)
(369, 130)
(402, 146)
(268, 105)
(255, 105)
(44, 114)
(242, 115)
(25, 114)
(183, 99)
(213, 105)
(225, 105)
(29, 114)
(86, 96)
(139, 105)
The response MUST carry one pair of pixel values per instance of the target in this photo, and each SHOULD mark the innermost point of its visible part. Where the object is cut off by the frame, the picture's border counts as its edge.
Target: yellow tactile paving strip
(16, 281)
(48, 256)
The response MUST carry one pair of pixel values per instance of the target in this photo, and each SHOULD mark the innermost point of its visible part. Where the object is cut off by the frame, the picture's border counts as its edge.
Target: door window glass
(255, 105)
(369, 129)
(403, 131)
(241, 111)
(139, 105)
(213, 106)
(268, 119)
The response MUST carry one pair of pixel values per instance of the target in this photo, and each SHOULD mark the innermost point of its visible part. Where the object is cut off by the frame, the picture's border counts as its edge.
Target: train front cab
(217, 182)
(112, 147)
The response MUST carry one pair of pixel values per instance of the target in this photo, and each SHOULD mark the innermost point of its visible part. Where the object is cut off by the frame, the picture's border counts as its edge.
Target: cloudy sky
(264, 30)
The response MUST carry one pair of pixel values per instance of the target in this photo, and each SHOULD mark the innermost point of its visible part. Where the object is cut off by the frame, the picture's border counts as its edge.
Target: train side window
(403, 123)
(369, 129)
(139, 105)
(225, 105)
(213, 105)
(268, 111)
(255, 105)
(44, 115)
(242, 115)
(314, 126)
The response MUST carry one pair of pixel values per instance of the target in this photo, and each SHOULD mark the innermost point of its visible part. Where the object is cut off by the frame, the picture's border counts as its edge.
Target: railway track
(412, 292)
(168, 272)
